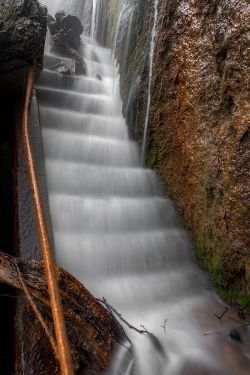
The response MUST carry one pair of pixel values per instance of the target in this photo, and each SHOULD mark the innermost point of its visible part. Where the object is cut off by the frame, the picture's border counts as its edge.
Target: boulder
(65, 31)
(22, 34)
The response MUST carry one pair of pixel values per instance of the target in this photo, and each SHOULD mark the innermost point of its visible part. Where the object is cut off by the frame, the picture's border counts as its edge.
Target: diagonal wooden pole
(63, 347)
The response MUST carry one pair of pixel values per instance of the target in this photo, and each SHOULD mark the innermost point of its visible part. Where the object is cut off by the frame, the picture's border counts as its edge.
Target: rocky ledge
(65, 38)
(22, 34)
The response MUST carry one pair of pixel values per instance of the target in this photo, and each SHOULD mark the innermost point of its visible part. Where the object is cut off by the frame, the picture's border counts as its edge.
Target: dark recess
(7, 304)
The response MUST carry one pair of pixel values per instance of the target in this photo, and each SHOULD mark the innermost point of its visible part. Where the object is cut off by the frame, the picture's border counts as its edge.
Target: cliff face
(199, 124)
(199, 130)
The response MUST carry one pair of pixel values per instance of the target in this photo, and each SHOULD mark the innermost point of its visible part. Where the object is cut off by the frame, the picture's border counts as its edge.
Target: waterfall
(115, 229)
(117, 31)
(93, 22)
(129, 27)
(151, 63)
(123, 27)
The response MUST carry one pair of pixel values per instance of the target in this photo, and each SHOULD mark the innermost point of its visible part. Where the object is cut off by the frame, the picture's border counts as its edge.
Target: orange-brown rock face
(199, 129)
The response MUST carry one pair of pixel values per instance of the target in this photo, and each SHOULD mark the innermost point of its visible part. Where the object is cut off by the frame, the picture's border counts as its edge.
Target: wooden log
(94, 334)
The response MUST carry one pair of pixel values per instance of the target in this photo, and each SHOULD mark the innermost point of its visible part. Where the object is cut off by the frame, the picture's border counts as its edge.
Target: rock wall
(199, 130)
(22, 34)
(199, 124)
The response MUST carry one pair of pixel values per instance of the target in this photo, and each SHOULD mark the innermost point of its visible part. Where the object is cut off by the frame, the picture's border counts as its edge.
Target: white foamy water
(118, 234)
(150, 77)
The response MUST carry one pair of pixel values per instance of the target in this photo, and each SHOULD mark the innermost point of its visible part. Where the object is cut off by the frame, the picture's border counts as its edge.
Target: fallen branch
(154, 340)
(164, 325)
(111, 308)
(37, 313)
(93, 332)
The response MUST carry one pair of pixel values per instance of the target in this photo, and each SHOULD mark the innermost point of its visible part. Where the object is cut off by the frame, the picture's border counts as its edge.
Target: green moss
(233, 297)
(153, 160)
(210, 260)
(244, 301)
(219, 275)
(202, 250)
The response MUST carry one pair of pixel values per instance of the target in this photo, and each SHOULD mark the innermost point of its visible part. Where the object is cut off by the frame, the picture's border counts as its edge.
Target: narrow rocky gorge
(139, 122)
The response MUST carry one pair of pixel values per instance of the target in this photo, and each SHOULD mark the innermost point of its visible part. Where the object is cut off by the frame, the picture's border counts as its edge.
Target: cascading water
(129, 27)
(116, 231)
(123, 28)
(151, 64)
(117, 30)
(93, 22)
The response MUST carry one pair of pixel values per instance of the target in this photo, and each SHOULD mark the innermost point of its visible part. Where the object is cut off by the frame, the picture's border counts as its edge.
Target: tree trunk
(93, 331)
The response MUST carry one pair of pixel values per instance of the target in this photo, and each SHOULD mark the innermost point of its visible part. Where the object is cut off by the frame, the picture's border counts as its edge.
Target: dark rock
(80, 65)
(22, 34)
(62, 69)
(73, 23)
(52, 24)
(235, 335)
(50, 20)
(59, 16)
(65, 31)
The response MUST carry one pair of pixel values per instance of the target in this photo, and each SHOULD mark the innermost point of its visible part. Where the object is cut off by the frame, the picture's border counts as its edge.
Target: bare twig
(37, 312)
(145, 329)
(113, 315)
(109, 307)
(164, 325)
(221, 316)
(154, 340)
